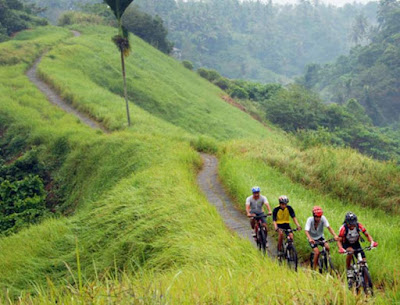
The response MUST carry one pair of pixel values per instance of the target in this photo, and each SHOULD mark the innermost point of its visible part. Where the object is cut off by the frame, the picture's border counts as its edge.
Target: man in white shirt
(315, 231)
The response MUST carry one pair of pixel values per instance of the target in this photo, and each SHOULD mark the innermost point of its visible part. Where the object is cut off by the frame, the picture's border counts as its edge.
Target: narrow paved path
(55, 99)
(216, 195)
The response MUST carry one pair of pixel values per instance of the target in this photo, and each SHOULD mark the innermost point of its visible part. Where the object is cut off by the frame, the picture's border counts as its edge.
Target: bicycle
(289, 251)
(261, 234)
(360, 271)
(324, 259)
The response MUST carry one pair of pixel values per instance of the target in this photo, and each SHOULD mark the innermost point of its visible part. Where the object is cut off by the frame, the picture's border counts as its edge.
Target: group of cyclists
(348, 240)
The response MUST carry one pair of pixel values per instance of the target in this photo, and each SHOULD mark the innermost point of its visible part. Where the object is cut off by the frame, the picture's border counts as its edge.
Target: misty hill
(370, 74)
(258, 40)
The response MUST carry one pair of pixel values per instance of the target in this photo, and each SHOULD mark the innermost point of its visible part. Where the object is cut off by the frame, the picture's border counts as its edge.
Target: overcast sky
(335, 2)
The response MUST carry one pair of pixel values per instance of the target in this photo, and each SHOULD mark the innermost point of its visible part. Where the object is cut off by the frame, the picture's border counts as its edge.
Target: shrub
(203, 73)
(204, 144)
(187, 64)
(223, 83)
(80, 18)
(240, 93)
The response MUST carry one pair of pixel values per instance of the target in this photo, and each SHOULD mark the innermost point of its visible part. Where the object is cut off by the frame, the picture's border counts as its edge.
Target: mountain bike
(261, 234)
(324, 259)
(362, 278)
(289, 251)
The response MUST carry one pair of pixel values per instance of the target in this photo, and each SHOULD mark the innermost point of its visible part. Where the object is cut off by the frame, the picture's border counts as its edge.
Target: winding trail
(216, 195)
(55, 99)
(207, 178)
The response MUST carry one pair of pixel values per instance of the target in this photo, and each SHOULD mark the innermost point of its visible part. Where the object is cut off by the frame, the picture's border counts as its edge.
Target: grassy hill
(137, 222)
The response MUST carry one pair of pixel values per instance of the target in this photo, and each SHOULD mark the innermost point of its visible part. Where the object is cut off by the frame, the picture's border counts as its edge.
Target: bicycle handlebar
(259, 216)
(288, 230)
(322, 242)
(369, 248)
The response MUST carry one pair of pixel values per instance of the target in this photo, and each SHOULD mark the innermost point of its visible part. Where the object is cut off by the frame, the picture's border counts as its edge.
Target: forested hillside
(370, 74)
(259, 40)
(133, 226)
(16, 16)
(54, 8)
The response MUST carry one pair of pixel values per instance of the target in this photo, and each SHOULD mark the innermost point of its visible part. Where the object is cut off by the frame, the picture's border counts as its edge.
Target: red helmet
(317, 211)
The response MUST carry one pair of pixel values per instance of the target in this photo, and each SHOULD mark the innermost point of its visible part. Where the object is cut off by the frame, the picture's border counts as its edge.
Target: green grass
(242, 166)
(144, 232)
(156, 83)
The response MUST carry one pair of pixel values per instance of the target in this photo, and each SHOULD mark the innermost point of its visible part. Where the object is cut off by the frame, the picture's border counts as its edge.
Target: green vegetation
(370, 74)
(258, 40)
(16, 16)
(22, 189)
(53, 9)
(247, 163)
(150, 29)
(185, 100)
(125, 190)
(302, 112)
(136, 220)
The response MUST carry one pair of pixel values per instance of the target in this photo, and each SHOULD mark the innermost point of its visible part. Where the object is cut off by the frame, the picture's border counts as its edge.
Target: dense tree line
(370, 74)
(258, 40)
(303, 113)
(16, 16)
(53, 9)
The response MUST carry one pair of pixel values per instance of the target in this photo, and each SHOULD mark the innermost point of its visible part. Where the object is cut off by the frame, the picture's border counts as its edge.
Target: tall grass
(141, 230)
(240, 169)
(86, 68)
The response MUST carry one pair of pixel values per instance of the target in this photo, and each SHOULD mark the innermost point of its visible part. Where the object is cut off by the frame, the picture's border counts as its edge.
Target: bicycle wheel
(312, 260)
(291, 257)
(321, 262)
(367, 282)
(330, 265)
(258, 239)
(263, 241)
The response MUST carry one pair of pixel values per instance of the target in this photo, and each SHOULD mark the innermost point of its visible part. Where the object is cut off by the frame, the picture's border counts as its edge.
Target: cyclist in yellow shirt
(281, 219)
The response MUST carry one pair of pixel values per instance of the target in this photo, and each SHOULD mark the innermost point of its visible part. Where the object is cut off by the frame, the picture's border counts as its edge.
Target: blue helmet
(255, 189)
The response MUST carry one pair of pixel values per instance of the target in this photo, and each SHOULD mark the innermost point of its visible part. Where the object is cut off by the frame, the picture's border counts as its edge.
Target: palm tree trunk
(125, 90)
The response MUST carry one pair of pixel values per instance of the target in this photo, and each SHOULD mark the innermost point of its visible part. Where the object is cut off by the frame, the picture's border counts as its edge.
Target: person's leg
(316, 255)
(280, 239)
(349, 257)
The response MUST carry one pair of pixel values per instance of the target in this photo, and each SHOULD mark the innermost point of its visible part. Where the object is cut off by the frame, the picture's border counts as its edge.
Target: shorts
(314, 245)
(355, 246)
(263, 218)
(284, 226)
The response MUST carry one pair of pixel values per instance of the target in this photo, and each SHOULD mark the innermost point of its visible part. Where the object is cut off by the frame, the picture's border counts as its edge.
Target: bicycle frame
(289, 251)
(359, 267)
(324, 257)
(262, 244)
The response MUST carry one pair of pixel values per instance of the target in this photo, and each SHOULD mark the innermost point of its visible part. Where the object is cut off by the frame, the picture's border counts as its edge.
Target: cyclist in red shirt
(349, 240)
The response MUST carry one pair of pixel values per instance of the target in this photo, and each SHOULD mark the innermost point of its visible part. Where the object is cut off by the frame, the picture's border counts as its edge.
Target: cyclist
(254, 207)
(280, 216)
(315, 231)
(349, 240)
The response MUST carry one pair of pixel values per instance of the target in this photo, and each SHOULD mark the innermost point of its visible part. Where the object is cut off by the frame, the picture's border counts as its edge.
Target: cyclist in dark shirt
(281, 219)
(349, 240)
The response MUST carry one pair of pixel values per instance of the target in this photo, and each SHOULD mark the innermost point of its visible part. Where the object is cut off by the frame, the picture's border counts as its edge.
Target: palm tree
(121, 40)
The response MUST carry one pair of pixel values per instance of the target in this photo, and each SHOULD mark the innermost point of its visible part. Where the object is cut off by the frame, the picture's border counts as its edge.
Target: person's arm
(274, 217)
(333, 233)
(368, 236)
(297, 223)
(307, 230)
(268, 206)
(293, 215)
(310, 239)
(340, 240)
(248, 208)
